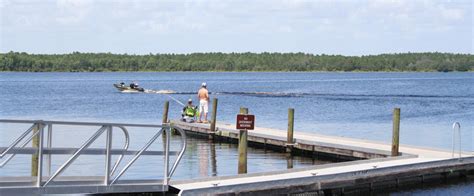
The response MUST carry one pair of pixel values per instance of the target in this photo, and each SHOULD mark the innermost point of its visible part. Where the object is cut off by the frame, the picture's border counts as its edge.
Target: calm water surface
(357, 105)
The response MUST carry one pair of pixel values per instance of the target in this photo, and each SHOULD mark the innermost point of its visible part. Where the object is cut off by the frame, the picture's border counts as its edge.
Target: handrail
(87, 151)
(22, 146)
(16, 143)
(167, 160)
(183, 148)
(47, 151)
(136, 156)
(76, 154)
(456, 128)
(17, 140)
(80, 123)
(125, 148)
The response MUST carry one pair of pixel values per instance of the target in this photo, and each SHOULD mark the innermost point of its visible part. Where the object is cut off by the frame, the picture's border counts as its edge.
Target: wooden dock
(371, 167)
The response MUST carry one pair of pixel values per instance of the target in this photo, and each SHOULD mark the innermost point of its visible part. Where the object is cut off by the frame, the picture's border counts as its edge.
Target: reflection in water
(213, 159)
(289, 161)
(207, 152)
(205, 158)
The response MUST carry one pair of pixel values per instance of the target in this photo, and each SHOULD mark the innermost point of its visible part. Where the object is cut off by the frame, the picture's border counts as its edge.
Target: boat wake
(335, 96)
(160, 91)
(323, 95)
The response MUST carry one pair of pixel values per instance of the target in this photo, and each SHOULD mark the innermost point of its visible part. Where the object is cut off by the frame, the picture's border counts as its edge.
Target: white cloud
(286, 29)
(320, 20)
(452, 14)
(73, 11)
(4, 3)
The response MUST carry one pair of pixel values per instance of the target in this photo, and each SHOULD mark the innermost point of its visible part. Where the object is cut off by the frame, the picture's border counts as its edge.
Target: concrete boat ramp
(372, 167)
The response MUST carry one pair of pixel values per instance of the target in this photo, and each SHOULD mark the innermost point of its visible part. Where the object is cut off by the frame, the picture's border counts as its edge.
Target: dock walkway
(373, 166)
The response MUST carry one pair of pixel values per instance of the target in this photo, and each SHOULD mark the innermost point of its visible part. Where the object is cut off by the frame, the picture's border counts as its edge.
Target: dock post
(34, 157)
(243, 147)
(165, 112)
(165, 117)
(290, 140)
(291, 120)
(214, 113)
(396, 132)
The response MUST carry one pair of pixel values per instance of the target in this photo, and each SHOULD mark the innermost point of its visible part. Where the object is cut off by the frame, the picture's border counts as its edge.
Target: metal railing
(456, 129)
(109, 178)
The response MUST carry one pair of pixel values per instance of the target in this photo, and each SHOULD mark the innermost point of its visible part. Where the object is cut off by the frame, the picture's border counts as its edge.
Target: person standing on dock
(203, 96)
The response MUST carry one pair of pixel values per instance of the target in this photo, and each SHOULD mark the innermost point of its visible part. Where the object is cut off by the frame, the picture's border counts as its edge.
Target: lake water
(356, 105)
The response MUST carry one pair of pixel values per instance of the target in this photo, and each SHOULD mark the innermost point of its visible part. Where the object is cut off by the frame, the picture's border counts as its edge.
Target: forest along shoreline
(236, 62)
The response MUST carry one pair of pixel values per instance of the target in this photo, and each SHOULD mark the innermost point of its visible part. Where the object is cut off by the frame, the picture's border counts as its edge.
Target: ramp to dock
(373, 166)
(45, 181)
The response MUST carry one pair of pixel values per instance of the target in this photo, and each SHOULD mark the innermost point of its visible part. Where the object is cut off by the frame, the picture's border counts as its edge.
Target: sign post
(244, 122)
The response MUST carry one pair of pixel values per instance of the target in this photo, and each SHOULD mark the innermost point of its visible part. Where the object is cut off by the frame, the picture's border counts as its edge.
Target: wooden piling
(290, 140)
(165, 112)
(244, 110)
(214, 115)
(243, 147)
(396, 132)
(34, 157)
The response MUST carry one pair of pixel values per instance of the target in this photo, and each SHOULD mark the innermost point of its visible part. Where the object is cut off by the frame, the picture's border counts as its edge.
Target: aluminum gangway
(46, 181)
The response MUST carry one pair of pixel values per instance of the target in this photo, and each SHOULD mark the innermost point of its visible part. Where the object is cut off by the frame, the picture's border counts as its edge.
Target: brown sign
(245, 121)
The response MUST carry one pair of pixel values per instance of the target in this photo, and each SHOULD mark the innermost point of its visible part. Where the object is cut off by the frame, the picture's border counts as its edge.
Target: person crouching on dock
(189, 112)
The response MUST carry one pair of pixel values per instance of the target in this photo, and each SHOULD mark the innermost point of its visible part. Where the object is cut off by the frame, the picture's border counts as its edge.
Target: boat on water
(132, 88)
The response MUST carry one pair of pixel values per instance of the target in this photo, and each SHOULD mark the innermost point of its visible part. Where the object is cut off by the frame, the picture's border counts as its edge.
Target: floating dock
(364, 166)
(371, 166)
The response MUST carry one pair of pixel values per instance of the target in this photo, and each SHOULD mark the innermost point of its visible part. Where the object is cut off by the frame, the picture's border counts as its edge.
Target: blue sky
(319, 26)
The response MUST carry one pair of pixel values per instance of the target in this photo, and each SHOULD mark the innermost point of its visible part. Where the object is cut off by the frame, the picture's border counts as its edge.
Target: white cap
(190, 100)
(203, 84)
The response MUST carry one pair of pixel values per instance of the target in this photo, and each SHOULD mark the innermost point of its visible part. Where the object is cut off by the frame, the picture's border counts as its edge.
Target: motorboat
(132, 88)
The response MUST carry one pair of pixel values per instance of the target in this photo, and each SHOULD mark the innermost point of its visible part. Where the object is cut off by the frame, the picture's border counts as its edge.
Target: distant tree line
(98, 62)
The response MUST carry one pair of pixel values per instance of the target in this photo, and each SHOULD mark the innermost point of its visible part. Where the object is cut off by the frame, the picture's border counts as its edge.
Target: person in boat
(134, 85)
(189, 112)
(122, 84)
